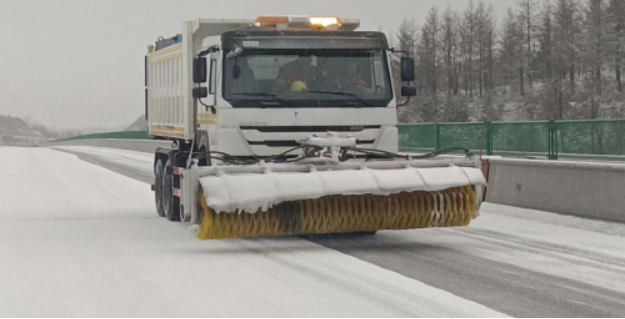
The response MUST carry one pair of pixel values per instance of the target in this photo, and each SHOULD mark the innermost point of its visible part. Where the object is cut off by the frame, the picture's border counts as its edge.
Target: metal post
(489, 137)
(553, 140)
(437, 139)
(621, 146)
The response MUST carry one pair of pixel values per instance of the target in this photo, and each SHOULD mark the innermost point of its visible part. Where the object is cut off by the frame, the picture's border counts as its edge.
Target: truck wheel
(169, 200)
(158, 187)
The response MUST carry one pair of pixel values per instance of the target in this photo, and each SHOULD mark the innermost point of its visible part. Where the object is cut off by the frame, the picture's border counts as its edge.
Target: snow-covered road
(517, 261)
(79, 240)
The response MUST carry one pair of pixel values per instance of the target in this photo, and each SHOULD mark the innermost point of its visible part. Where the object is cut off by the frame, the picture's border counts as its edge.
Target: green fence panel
(591, 137)
(604, 138)
(417, 137)
(133, 135)
(520, 138)
(472, 136)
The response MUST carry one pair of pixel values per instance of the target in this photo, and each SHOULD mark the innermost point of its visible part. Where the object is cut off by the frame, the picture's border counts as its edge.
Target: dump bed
(169, 104)
(166, 98)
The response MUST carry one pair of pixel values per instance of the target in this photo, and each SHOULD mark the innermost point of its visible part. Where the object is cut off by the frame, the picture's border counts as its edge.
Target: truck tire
(170, 202)
(158, 187)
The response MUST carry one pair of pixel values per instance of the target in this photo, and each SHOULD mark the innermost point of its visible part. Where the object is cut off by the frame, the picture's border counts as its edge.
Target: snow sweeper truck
(286, 126)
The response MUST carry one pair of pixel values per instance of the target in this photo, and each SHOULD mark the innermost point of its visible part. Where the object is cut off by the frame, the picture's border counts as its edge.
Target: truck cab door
(208, 132)
(207, 111)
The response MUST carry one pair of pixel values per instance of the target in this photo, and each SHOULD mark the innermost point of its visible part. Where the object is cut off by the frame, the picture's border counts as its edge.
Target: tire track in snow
(382, 290)
(501, 286)
(580, 257)
(150, 267)
(501, 269)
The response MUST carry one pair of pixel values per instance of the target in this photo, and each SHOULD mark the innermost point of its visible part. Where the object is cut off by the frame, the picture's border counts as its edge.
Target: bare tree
(469, 16)
(547, 59)
(428, 46)
(407, 35)
(597, 42)
(405, 39)
(448, 47)
(482, 25)
(510, 48)
(567, 28)
(616, 11)
(527, 14)
(490, 46)
(545, 35)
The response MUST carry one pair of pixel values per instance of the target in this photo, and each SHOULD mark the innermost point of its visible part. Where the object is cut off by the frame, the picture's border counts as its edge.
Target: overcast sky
(79, 63)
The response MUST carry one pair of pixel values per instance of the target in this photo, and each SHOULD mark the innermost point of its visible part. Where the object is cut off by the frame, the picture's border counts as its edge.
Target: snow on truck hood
(253, 192)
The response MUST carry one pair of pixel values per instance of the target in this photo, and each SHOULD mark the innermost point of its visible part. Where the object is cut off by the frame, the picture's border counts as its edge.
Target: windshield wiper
(353, 96)
(269, 95)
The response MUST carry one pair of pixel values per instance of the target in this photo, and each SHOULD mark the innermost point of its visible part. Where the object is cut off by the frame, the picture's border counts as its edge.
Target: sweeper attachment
(321, 192)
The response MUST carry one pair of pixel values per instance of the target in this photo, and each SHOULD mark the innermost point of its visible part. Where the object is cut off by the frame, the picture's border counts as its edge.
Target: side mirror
(408, 91)
(200, 92)
(199, 70)
(407, 69)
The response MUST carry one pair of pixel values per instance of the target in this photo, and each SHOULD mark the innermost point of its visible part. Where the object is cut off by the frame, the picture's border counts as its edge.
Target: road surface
(509, 261)
(79, 240)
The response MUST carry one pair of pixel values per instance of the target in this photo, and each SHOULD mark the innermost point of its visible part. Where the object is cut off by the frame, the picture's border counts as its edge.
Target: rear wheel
(170, 206)
(158, 187)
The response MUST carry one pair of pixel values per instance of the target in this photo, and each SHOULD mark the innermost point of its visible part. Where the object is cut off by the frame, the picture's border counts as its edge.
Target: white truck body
(278, 121)
(173, 113)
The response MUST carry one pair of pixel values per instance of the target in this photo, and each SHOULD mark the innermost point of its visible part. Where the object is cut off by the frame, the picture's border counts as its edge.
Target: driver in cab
(295, 76)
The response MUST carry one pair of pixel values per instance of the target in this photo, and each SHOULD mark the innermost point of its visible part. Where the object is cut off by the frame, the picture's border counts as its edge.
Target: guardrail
(132, 135)
(600, 139)
(592, 139)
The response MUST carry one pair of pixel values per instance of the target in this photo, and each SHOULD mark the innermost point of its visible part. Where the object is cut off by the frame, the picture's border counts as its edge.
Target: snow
(254, 192)
(332, 140)
(79, 240)
(598, 226)
(41, 184)
(131, 159)
(561, 251)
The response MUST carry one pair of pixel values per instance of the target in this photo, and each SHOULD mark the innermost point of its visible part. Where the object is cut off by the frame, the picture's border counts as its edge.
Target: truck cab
(256, 88)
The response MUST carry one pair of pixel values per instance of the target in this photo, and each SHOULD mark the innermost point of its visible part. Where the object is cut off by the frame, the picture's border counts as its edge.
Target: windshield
(307, 78)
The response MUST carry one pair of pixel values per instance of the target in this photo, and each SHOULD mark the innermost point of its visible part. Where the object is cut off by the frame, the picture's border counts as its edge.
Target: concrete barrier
(594, 190)
(147, 146)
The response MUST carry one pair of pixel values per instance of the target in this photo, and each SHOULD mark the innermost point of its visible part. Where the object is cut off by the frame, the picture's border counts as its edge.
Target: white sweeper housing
(251, 193)
(348, 197)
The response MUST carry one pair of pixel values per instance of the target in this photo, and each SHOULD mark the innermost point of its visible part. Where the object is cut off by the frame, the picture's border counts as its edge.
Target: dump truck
(288, 126)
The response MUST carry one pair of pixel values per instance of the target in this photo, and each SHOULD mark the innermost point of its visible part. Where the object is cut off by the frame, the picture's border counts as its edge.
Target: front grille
(301, 129)
(293, 143)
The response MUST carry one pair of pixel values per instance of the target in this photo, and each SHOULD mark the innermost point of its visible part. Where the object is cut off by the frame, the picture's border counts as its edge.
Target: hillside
(14, 131)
